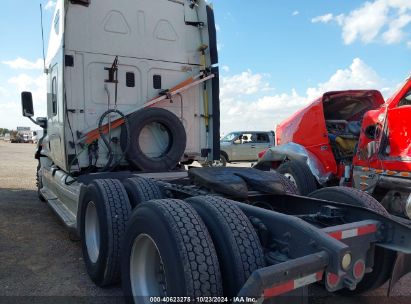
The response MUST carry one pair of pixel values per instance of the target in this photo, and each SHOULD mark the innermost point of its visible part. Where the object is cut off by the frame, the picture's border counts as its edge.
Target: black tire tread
(242, 237)
(196, 247)
(224, 159)
(178, 140)
(118, 211)
(142, 190)
(367, 200)
(288, 186)
(306, 182)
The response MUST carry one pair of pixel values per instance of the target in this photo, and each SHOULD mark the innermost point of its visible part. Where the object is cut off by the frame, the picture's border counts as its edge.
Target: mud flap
(287, 282)
(402, 266)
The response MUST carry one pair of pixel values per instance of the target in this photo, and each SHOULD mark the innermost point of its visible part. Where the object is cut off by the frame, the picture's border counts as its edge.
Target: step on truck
(133, 96)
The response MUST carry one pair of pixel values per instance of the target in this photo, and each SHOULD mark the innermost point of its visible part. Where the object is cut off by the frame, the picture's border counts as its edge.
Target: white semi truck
(133, 96)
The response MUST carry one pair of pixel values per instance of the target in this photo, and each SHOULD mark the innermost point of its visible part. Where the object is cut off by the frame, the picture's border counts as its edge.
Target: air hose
(109, 166)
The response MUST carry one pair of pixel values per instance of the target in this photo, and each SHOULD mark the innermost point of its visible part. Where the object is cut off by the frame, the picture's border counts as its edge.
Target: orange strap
(93, 135)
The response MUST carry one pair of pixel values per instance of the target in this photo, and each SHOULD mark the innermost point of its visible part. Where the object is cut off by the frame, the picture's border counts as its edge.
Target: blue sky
(275, 55)
(264, 36)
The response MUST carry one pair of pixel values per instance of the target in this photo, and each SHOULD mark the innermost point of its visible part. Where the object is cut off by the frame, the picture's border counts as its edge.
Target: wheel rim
(218, 163)
(147, 274)
(291, 178)
(92, 232)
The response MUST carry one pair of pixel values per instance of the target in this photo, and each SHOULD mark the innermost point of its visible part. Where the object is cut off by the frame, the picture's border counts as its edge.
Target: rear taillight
(359, 269)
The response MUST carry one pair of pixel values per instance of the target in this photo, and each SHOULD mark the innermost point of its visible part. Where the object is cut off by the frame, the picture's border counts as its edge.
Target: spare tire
(158, 140)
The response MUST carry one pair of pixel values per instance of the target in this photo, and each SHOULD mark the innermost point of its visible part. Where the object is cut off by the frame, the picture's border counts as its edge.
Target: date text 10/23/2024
(202, 300)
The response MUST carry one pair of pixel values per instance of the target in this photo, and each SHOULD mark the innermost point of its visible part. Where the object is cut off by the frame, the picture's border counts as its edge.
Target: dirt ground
(37, 257)
(39, 263)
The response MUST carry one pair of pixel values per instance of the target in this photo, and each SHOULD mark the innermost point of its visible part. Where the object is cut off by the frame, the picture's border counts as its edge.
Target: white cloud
(383, 21)
(395, 32)
(217, 27)
(242, 84)
(366, 22)
(24, 64)
(295, 13)
(323, 19)
(10, 114)
(226, 68)
(357, 76)
(247, 101)
(409, 44)
(50, 5)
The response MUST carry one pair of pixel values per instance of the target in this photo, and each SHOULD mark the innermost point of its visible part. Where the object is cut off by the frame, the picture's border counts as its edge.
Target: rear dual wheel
(204, 246)
(238, 247)
(141, 190)
(104, 212)
(168, 252)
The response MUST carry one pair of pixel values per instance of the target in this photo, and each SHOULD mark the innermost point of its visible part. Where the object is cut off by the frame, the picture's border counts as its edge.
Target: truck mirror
(408, 96)
(27, 104)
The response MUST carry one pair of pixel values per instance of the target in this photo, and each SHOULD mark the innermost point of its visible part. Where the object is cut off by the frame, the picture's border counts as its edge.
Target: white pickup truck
(244, 146)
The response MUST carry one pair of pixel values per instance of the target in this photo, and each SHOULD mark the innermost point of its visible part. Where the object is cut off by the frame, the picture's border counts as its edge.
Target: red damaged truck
(349, 138)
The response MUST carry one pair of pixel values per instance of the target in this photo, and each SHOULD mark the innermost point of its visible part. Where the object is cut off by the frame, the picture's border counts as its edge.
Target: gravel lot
(37, 257)
(39, 263)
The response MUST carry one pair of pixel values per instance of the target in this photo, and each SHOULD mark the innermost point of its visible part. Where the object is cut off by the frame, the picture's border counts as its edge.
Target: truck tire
(174, 150)
(105, 209)
(350, 196)
(141, 190)
(223, 160)
(39, 183)
(383, 258)
(300, 174)
(167, 251)
(238, 247)
(288, 185)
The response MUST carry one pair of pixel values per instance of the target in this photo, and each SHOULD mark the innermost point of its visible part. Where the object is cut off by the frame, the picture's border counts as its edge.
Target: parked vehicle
(27, 138)
(37, 135)
(359, 141)
(110, 167)
(244, 146)
(16, 138)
